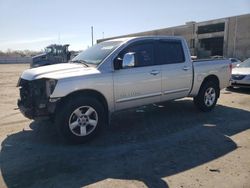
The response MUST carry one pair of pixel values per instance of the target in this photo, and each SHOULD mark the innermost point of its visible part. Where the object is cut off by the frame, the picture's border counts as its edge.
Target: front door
(140, 84)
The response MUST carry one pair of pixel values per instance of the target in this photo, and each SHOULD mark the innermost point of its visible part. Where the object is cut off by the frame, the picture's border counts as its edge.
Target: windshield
(245, 63)
(48, 50)
(98, 52)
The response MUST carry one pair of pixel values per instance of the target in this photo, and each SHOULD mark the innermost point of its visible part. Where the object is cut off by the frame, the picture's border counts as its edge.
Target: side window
(144, 54)
(170, 52)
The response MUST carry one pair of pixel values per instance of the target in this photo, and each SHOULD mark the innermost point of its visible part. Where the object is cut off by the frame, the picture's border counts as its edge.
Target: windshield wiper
(81, 62)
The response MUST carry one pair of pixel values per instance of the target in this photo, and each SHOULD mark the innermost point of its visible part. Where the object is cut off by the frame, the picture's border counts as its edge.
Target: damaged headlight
(50, 86)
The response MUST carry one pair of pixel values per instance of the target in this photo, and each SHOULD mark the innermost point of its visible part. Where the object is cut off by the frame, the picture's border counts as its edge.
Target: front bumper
(32, 111)
(27, 112)
(237, 84)
(240, 83)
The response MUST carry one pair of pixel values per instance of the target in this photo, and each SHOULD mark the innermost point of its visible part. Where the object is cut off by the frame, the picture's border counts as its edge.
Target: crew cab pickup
(115, 75)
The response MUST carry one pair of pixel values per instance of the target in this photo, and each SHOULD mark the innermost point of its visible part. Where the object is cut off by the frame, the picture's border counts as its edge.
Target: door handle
(154, 72)
(185, 68)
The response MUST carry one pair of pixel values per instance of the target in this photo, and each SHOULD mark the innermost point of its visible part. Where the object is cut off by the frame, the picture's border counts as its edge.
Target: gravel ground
(167, 145)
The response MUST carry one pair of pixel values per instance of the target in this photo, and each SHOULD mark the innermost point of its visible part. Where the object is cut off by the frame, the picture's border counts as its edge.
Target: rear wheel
(80, 119)
(207, 96)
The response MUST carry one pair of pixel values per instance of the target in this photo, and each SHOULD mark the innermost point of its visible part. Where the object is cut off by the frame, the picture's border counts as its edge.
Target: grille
(32, 92)
(238, 77)
(25, 92)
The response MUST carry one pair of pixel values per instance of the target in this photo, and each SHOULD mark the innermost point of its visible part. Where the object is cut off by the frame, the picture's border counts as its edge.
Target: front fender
(102, 85)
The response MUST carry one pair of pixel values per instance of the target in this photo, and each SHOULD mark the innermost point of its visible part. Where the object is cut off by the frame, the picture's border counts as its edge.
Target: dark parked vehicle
(53, 54)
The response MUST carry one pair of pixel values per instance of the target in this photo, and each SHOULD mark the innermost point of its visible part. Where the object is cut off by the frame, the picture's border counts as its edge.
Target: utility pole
(59, 38)
(92, 35)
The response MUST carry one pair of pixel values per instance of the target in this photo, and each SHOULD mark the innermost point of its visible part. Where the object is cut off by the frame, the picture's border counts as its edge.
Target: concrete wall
(238, 41)
(187, 31)
(236, 35)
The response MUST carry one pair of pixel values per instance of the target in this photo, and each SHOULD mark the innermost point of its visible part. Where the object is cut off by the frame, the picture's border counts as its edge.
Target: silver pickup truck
(115, 75)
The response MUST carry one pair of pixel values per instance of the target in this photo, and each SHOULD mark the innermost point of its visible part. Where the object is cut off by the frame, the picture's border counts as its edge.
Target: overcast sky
(34, 24)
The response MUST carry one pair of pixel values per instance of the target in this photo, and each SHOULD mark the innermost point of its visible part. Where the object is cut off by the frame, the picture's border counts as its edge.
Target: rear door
(141, 84)
(176, 69)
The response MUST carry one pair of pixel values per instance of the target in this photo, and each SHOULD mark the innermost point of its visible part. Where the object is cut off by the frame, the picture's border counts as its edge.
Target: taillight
(230, 67)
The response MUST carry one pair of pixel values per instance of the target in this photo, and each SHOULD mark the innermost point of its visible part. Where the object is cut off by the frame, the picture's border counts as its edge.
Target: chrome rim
(83, 121)
(209, 97)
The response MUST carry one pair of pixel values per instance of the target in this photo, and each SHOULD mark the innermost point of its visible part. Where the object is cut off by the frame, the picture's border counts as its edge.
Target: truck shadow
(145, 144)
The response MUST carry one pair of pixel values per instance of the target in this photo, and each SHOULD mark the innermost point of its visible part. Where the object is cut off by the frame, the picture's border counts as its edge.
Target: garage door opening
(211, 28)
(211, 47)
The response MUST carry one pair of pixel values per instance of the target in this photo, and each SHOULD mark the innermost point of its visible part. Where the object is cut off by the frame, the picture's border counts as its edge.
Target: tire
(79, 119)
(207, 96)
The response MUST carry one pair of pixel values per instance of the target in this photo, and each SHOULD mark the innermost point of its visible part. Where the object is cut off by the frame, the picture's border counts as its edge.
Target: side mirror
(128, 60)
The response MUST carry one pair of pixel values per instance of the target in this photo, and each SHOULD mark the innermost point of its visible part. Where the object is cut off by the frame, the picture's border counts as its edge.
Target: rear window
(170, 52)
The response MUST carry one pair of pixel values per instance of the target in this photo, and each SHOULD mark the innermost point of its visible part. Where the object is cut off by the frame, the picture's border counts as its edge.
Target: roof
(57, 46)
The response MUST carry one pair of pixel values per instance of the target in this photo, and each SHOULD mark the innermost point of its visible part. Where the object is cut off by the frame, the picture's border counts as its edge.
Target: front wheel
(80, 119)
(207, 96)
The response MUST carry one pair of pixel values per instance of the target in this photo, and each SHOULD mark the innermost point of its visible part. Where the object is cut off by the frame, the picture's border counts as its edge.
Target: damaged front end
(35, 99)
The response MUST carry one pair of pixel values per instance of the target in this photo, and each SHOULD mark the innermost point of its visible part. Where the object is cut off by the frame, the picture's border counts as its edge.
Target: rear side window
(170, 52)
(144, 53)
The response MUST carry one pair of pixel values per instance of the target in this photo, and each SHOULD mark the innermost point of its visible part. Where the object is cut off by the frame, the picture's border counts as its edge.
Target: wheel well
(92, 93)
(214, 79)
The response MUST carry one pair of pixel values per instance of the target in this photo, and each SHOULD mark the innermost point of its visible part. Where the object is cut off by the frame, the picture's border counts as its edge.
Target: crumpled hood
(58, 71)
(241, 70)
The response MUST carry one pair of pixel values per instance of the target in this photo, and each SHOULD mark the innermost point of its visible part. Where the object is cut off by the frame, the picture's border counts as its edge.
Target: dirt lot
(168, 145)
